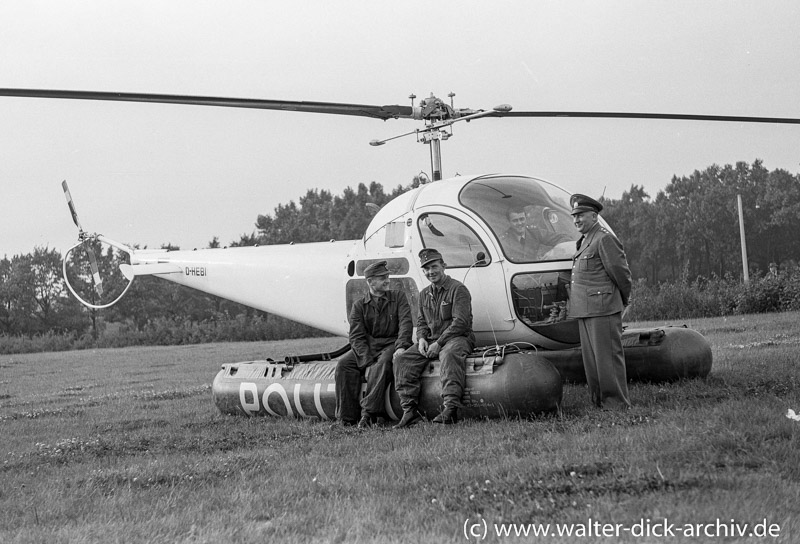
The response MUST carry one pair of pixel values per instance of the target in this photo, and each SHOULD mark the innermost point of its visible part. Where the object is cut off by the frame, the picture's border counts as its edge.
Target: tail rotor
(93, 283)
(86, 241)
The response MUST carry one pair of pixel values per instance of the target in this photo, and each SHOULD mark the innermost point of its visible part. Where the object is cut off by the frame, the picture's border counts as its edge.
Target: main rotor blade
(363, 110)
(634, 115)
(71, 205)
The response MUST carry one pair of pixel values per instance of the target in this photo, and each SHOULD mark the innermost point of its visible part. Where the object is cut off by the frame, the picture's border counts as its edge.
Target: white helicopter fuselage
(463, 217)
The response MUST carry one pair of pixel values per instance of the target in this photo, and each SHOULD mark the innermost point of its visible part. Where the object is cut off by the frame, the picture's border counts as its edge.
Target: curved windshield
(459, 245)
(530, 217)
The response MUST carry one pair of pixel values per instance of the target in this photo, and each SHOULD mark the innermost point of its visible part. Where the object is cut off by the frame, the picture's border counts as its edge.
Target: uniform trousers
(410, 366)
(348, 377)
(604, 360)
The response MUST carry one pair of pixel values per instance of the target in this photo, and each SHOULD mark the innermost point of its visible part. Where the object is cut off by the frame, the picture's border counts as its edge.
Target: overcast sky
(151, 174)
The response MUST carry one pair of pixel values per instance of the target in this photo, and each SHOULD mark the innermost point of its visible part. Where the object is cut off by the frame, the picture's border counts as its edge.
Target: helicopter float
(530, 347)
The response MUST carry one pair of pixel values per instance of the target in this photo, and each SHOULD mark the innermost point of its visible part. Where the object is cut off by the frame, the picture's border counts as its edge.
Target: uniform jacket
(445, 312)
(601, 279)
(378, 322)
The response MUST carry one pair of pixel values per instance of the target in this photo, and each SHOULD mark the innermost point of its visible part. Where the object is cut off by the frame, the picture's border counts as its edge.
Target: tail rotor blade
(71, 205)
(98, 281)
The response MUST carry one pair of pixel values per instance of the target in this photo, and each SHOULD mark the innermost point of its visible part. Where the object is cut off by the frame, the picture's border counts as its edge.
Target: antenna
(481, 258)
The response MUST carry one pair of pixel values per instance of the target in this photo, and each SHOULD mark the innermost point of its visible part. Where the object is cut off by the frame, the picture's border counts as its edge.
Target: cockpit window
(540, 298)
(530, 217)
(458, 244)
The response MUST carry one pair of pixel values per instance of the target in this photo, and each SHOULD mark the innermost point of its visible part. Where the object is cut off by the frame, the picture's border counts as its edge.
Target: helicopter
(529, 345)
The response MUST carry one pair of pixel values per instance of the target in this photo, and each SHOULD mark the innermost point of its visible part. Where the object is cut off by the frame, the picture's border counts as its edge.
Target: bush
(761, 296)
(165, 332)
(712, 297)
(47, 341)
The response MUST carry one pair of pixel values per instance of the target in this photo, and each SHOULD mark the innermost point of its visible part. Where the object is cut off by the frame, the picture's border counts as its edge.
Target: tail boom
(301, 282)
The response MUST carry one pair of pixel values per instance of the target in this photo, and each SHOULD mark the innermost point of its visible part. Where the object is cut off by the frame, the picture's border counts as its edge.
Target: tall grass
(126, 445)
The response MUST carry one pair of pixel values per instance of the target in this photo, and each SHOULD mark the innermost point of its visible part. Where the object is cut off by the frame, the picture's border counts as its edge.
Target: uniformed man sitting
(600, 288)
(380, 331)
(444, 332)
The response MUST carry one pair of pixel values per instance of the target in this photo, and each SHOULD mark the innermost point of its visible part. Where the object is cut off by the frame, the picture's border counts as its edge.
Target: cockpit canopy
(529, 217)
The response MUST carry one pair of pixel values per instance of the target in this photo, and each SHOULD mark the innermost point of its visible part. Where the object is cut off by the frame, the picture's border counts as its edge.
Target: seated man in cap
(600, 288)
(444, 332)
(380, 330)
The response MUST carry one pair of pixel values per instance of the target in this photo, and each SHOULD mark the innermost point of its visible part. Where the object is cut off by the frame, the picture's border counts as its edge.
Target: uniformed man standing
(380, 330)
(444, 332)
(600, 289)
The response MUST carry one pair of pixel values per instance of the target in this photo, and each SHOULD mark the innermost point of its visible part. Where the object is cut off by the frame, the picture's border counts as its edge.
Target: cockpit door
(462, 242)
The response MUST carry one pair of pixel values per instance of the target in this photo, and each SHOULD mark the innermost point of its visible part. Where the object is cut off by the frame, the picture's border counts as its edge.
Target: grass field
(126, 445)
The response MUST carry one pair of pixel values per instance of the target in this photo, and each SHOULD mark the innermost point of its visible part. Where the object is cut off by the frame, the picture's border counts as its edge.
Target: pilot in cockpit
(524, 241)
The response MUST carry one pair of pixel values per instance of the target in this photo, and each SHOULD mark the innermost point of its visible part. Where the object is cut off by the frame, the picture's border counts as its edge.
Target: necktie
(578, 243)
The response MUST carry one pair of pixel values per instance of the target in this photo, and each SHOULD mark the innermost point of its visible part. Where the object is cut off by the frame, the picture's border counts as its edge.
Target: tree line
(691, 228)
(682, 244)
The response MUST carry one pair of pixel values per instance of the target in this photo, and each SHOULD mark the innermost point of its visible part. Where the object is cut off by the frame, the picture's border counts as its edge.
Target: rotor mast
(435, 109)
(436, 158)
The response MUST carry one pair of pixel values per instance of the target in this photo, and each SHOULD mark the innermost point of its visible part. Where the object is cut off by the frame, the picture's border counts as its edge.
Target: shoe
(366, 421)
(344, 423)
(448, 416)
(410, 417)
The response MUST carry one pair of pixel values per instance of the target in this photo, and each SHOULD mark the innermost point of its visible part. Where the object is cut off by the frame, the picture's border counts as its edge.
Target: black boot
(366, 421)
(448, 416)
(410, 417)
